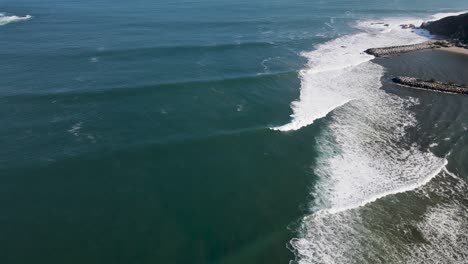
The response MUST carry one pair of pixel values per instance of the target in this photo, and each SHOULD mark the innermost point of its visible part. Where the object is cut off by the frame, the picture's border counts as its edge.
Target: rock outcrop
(431, 85)
(454, 27)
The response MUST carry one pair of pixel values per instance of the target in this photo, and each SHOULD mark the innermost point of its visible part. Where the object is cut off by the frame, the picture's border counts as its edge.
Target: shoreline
(427, 45)
(454, 49)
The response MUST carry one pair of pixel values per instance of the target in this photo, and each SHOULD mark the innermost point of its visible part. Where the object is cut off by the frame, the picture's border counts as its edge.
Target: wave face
(364, 154)
(5, 19)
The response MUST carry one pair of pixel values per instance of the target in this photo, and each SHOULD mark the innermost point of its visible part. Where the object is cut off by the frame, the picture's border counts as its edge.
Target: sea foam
(331, 77)
(326, 83)
(364, 156)
(6, 19)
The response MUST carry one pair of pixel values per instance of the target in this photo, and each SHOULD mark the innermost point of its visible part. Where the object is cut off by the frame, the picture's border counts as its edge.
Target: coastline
(426, 45)
(454, 50)
(438, 113)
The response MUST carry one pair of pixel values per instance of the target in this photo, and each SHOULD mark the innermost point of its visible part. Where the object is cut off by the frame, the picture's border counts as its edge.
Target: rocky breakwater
(431, 85)
(379, 52)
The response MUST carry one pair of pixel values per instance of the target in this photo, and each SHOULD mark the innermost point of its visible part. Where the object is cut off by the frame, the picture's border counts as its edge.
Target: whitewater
(364, 155)
(7, 19)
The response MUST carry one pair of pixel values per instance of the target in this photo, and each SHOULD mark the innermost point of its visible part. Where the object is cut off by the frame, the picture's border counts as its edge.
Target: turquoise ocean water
(227, 132)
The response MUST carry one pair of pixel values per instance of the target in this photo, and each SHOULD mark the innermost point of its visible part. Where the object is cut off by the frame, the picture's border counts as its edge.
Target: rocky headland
(453, 36)
(452, 32)
(431, 85)
(453, 27)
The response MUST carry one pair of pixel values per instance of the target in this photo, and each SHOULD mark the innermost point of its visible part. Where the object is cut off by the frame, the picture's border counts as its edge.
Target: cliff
(455, 27)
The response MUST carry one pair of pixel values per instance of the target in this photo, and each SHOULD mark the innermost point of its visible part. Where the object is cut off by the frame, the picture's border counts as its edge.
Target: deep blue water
(139, 131)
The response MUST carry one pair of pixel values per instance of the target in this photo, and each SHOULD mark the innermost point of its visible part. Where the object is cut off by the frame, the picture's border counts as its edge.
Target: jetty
(452, 33)
(431, 85)
(379, 52)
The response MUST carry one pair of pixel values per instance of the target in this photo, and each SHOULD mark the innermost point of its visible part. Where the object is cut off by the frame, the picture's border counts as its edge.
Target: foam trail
(4, 19)
(445, 228)
(451, 173)
(375, 197)
(431, 227)
(363, 154)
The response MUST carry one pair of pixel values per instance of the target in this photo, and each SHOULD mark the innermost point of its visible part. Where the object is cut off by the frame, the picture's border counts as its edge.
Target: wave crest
(332, 77)
(5, 19)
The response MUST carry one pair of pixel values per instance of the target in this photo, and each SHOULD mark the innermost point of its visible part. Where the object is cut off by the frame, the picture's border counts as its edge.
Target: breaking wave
(333, 76)
(364, 154)
(6, 19)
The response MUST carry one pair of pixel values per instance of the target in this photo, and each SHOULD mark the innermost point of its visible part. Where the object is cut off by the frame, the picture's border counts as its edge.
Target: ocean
(228, 132)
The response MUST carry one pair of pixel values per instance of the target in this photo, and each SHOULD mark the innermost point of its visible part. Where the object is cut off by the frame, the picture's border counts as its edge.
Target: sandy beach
(455, 50)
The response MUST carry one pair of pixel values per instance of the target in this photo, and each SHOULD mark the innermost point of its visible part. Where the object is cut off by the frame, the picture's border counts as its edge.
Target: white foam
(431, 227)
(332, 78)
(364, 156)
(365, 134)
(412, 185)
(75, 129)
(368, 159)
(442, 15)
(5, 19)
(444, 228)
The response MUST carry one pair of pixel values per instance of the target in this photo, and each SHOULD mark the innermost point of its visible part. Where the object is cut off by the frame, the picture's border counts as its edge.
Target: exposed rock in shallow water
(406, 26)
(430, 85)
